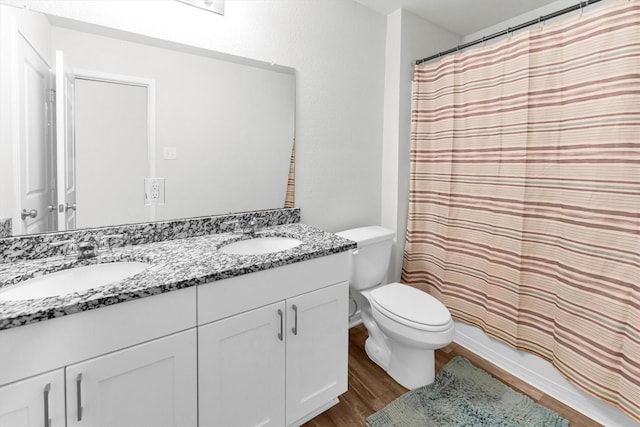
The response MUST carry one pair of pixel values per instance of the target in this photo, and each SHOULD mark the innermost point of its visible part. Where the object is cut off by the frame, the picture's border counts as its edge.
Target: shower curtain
(524, 210)
(290, 193)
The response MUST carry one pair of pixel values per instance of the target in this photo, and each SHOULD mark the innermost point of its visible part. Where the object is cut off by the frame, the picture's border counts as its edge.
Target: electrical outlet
(154, 191)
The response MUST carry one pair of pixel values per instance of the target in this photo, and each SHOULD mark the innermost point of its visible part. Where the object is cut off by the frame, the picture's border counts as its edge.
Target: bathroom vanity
(284, 347)
(199, 338)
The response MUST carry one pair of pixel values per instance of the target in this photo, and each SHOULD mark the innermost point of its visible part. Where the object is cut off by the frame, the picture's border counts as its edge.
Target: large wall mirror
(137, 129)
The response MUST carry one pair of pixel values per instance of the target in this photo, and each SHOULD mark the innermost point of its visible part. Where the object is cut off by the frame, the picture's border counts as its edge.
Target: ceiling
(462, 17)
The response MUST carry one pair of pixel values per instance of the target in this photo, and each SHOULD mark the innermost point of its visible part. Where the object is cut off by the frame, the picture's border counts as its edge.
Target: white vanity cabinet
(265, 348)
(242, 370)
(283, 362)
(317, 351)
(148, 385)
(137, 360)
(151, 384)
(37, 401)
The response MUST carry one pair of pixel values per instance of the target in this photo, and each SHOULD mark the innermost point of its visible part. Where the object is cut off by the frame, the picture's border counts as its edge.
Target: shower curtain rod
(509, 30)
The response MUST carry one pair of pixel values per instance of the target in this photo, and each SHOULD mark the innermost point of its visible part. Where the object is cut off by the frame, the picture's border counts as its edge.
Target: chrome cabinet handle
(52, 208)
(79, 395)
(31, 214)
(69, 207)
(295, 319)
(47, 420)
(280, 337)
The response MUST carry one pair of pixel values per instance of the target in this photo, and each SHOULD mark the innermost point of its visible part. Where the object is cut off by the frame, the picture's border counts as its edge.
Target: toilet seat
(411, 307)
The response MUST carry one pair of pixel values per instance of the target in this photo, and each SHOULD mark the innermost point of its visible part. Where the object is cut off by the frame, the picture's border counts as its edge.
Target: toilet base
(378, 354)
(411, 367)
(408, 366)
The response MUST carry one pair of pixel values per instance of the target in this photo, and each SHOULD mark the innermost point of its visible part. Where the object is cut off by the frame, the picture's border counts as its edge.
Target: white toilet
(405, 324)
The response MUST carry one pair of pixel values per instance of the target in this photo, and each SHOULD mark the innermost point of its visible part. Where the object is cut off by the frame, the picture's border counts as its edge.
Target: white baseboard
(540, 374)
(355, 320)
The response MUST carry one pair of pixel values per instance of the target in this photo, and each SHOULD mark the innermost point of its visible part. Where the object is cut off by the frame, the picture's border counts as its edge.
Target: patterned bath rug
(463, 395)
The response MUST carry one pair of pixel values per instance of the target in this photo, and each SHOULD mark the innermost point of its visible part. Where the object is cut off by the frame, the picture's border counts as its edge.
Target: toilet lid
(410, 304)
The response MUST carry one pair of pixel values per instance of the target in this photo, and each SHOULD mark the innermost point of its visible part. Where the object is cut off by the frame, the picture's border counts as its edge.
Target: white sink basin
(260, 245)
(72, 280)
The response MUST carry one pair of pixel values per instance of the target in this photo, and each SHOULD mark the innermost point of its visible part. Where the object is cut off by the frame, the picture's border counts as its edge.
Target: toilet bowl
(405, 324)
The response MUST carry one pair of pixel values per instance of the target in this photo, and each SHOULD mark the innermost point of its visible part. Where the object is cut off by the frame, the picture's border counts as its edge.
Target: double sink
(86, 277)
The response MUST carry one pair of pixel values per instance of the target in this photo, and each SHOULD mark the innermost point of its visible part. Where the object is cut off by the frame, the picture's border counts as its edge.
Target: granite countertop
(174, 264)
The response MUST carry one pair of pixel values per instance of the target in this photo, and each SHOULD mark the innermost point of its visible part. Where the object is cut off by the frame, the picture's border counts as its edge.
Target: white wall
(337, 49)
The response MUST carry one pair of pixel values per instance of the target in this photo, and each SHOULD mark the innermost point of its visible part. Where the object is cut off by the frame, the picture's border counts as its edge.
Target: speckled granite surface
(39, 245)
(175, 264)
(5, 227)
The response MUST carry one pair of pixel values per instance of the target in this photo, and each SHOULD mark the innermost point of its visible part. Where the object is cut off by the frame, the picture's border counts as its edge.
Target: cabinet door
(151, 384)
(317, 350)
(241, 369)
(37, 401)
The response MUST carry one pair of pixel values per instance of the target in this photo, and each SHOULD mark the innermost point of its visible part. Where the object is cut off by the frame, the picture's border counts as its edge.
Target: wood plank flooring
(370, 388)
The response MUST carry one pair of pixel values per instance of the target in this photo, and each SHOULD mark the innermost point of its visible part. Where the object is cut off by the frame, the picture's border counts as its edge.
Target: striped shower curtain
(290, 193)
(524, 210)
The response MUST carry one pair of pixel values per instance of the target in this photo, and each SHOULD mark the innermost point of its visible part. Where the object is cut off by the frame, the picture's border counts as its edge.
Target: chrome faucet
(105, 241)
(227, 224)
(89, 248)
(248, 228)
(69, 247)
(252, 226)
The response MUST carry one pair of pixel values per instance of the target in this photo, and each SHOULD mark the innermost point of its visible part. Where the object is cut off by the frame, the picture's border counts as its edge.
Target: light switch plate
(169, 153)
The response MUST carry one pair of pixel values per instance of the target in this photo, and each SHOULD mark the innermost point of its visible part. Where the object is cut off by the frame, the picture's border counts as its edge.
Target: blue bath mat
(463, 395)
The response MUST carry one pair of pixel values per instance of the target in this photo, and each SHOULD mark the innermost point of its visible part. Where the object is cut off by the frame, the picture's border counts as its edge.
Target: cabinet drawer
(227, 297)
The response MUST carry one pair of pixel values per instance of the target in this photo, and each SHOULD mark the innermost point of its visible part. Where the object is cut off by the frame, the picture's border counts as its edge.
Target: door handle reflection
(31, 214)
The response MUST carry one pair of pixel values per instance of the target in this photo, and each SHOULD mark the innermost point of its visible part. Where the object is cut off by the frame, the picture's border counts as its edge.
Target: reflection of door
(65, 144)
(37, 171)
(111, 151)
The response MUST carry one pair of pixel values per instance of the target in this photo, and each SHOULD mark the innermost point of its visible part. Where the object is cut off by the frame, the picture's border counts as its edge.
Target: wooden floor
(370, 388)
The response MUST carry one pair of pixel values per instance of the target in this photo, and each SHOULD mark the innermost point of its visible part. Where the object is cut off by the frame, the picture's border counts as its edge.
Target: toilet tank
(370, 261)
